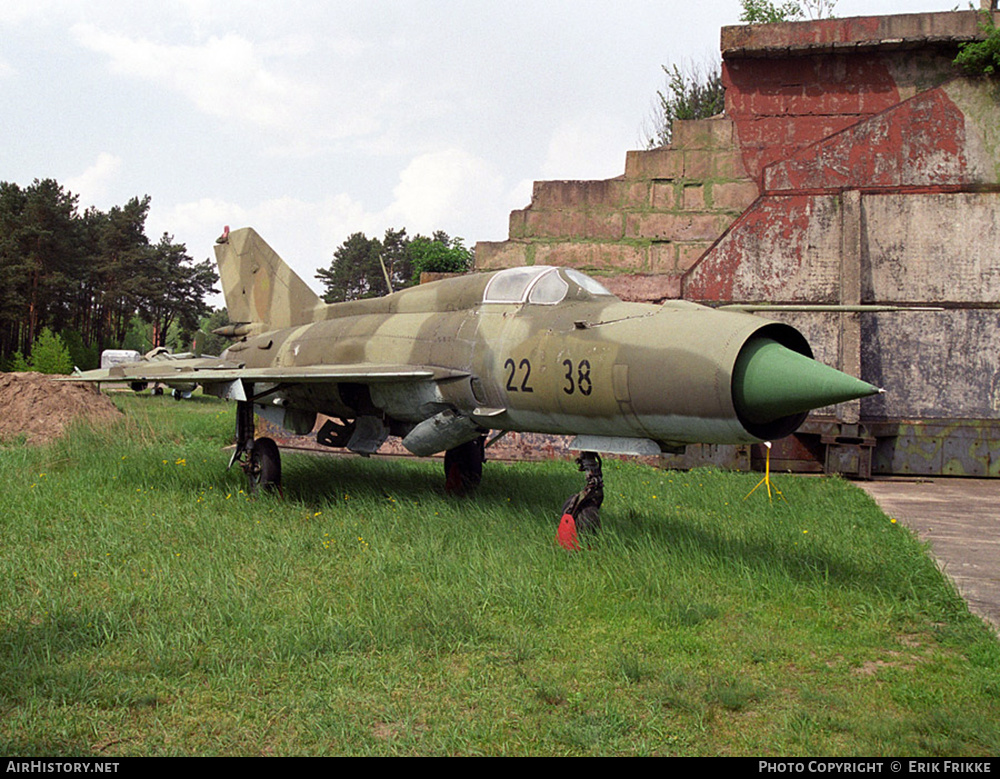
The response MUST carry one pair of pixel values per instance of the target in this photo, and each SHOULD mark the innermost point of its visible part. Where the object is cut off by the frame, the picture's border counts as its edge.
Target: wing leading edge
(213, 371)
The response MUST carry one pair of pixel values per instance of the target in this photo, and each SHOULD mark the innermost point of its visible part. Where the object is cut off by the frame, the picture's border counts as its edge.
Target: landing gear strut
(463, 466)
(584, 508)
(259, 459)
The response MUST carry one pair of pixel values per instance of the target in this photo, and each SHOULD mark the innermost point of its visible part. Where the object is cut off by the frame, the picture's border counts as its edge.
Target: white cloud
(199, 217)
(93, 184)
(442, 188)
(19, 11)
(224, 76)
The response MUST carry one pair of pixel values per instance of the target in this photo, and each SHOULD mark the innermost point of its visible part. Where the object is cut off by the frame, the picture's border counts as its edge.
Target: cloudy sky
(313, 119)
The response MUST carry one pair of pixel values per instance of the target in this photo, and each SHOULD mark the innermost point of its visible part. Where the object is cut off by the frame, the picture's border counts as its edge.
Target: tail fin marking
(259, 287)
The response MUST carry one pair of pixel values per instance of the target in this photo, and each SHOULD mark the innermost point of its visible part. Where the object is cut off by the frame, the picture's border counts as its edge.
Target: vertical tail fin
(259, 287)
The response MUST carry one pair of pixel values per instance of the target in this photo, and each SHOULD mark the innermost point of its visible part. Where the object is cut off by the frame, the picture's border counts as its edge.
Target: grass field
(149, 607)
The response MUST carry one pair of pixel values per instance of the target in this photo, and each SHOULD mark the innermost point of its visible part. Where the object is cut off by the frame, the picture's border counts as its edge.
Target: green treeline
(361, 264)
(91, 278)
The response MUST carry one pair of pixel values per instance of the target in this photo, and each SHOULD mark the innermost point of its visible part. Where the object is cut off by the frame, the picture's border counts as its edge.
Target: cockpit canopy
(541, 285)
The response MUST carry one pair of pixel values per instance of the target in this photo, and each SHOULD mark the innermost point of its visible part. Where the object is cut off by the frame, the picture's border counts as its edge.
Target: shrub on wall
(981, 58)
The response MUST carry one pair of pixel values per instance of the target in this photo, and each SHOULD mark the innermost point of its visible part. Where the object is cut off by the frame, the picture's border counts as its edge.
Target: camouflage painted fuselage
(585, 364)
(535, 349)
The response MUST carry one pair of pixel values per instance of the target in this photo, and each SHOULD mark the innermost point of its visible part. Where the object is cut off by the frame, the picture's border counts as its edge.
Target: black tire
(265, 466)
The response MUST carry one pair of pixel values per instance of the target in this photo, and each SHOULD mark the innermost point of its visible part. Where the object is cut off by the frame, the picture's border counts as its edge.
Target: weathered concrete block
(542, 224)
(663, 257)
(677, 227)
(734, 195)
(692, 134)
(694, 197)
(960, 25)
(771, 103)
(644, 287)
(637, 194)
(722, 133)
(808, 130)
(821, 330)
(592, 256)
(763, 132)
(840, 101)
(937, 248)
(654, 164)
(977, 101)
(942, 365)
(577, 194)
(799, 101)
(494, 255)
(901, 30)
(600, 226)
(664, 195)
(782, 104)
(756, 159)
(517, 223)
(728, 165)
(862, 137)
(697, 165)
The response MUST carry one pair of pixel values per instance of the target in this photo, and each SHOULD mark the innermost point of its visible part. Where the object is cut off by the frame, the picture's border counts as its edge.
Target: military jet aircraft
(530, 349)
(121, 370)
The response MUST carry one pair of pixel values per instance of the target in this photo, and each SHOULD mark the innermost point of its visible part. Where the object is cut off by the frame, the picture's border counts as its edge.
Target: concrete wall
(853, 165)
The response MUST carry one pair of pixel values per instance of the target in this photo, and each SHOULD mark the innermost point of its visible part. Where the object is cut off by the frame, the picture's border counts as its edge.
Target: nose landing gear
(582, 512)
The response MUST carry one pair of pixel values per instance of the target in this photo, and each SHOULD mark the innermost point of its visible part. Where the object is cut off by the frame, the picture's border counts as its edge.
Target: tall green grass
(151, 607)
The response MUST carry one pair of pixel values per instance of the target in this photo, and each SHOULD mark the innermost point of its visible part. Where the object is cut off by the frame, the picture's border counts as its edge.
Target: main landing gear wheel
(264, 466)
(582, 512)
(259, 459)
(463, 466)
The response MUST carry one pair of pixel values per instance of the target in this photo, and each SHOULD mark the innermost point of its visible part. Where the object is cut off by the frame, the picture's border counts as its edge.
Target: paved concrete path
(960, 518)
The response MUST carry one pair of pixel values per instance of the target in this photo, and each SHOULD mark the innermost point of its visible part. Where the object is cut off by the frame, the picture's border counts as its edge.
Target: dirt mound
(40, 407)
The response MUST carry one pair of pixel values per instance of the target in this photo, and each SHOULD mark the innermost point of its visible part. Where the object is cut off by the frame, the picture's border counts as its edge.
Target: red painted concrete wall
(781, 106)
(786, 246)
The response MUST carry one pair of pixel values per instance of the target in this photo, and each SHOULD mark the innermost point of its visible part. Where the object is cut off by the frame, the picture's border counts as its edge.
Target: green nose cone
(770, 381)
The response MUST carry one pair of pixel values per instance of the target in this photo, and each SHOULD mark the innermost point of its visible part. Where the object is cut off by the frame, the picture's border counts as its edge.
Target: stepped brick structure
(853, 165)
(653, 223)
